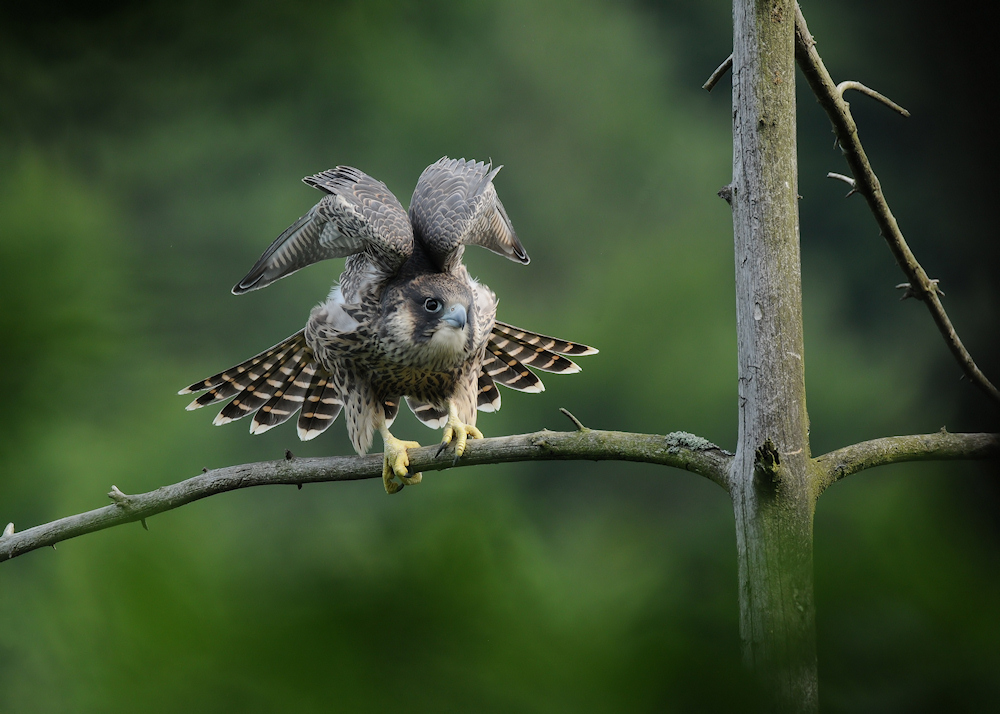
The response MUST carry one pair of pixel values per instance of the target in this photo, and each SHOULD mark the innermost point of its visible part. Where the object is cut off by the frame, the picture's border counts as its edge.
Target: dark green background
(151, 152)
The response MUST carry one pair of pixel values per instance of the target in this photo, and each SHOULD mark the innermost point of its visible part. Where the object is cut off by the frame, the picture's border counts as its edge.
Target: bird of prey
(405, 320)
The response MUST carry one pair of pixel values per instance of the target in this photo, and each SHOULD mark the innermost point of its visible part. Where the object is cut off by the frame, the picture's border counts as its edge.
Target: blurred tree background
(152, 151)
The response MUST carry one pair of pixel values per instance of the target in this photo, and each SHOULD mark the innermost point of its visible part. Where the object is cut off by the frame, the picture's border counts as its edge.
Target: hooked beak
(456, 317)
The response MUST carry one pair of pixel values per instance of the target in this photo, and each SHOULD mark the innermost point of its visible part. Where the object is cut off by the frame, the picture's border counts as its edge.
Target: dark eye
(432, 305)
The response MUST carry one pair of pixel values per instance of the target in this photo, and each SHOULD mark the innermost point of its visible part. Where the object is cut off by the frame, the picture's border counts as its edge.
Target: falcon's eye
(432, 305)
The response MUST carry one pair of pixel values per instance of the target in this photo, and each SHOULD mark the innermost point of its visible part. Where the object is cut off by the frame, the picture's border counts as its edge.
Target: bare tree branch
(867, 183)
(718, 74)
(941, 446)
(844, 86)
(678, 449)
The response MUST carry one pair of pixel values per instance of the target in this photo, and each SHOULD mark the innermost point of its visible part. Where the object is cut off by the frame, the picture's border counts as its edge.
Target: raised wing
(358, 214)
(455, 204)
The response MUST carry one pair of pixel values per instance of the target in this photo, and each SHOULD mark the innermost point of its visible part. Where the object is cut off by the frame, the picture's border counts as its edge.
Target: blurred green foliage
(152, 151)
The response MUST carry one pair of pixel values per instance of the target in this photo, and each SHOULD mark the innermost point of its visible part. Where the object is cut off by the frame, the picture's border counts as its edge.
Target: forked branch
(867, 184)
(679, 449)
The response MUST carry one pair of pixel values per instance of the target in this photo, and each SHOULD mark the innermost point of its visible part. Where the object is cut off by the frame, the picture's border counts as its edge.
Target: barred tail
(275, 384)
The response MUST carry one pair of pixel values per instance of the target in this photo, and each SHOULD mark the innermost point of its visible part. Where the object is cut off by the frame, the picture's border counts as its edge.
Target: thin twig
(867, 184)
(941, 446)
(576, 422)
(846, 179)
(840, 177)
(678, 449)
(857, 86)
(718, 74)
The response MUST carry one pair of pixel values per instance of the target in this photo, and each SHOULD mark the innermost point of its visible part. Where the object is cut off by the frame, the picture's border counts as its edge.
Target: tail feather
(536, 340)
(390, 408)
(427, 413)
(239, 378)
(288, 399)
(536, 357)
(275, 384)
(488, 399)
(257, 394)
(504, 369)
(268, 357)
(320, 409)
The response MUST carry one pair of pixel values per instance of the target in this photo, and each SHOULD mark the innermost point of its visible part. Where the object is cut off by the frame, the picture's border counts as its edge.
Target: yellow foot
(455, 430)
(394, 463)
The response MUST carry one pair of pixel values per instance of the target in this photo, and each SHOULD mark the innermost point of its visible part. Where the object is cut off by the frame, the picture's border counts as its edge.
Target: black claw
(455, 460)
(442, 447)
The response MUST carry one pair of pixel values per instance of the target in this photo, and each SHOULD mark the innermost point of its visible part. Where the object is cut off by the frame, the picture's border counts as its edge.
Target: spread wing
(512, 350)
(455, 204)
(358, 214)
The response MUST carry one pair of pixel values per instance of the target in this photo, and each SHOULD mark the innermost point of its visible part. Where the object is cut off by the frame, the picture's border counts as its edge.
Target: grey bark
(771, 479)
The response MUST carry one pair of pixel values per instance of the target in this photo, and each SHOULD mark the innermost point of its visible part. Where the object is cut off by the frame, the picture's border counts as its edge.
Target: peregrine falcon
(405, 320)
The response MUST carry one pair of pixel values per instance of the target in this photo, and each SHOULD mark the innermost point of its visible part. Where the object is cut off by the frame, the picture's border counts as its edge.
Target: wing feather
(455, 204)
(358, 214)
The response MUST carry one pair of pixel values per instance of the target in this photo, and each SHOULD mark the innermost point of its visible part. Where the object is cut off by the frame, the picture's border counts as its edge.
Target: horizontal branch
(679, 449)
(830, 97)
(941, 446)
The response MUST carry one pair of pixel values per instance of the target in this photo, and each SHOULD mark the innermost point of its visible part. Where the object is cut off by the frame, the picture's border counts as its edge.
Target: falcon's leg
(395, 460)
(457, 430)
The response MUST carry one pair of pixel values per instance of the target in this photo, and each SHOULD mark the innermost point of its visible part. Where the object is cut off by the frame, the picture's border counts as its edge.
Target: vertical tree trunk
(771, 479)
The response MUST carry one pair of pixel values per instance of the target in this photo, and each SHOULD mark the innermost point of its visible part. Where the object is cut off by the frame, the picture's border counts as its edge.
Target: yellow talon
(395, 462)
(459, 431)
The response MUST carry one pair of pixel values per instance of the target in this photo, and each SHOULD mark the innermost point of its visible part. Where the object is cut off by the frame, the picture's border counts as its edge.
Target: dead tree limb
(678, 449)
(922, 287)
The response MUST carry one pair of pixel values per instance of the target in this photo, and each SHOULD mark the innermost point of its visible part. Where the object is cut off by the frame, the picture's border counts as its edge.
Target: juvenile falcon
(406, 319)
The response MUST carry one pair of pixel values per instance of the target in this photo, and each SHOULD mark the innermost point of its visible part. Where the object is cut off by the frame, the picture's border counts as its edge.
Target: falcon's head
(428, 322)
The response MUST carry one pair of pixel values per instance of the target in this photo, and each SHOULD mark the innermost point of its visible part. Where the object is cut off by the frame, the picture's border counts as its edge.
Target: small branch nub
(117, 496)
(8, 530)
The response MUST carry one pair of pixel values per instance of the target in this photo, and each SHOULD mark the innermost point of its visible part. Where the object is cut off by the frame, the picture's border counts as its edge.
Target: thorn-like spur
(395, 461)
(8, 530)
(910, 292)
(458, 431)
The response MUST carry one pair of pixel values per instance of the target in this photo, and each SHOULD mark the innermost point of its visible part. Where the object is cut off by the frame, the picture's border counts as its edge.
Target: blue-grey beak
(456, 317)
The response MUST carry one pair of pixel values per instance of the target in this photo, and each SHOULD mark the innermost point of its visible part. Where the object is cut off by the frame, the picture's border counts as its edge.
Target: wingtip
(220, 420)
(589, 351)
(192, 406)
(240, 288)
